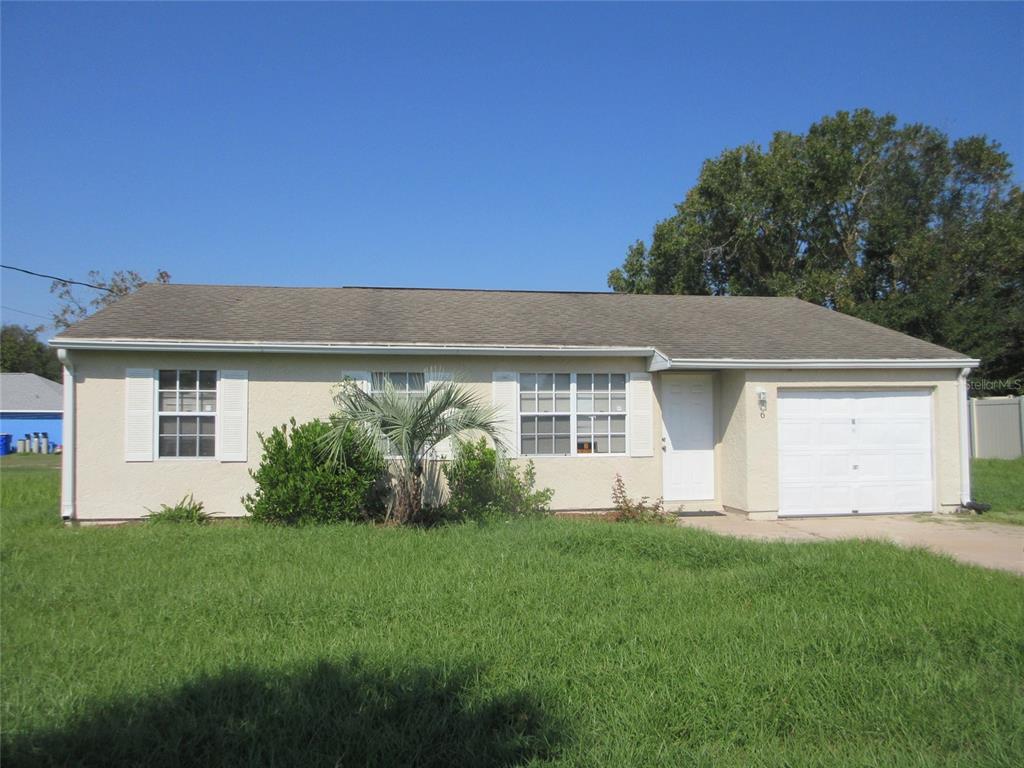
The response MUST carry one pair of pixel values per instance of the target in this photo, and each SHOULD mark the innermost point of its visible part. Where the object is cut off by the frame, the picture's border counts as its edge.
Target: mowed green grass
(553, 642)
(999, 482)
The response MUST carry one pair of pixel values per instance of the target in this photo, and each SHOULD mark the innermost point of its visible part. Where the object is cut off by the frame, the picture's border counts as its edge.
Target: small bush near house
(295, 484)
(628, 510)
(188, 511)
(482, 484)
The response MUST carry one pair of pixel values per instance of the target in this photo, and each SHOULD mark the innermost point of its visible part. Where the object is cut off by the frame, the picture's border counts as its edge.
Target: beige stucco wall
(282, 386)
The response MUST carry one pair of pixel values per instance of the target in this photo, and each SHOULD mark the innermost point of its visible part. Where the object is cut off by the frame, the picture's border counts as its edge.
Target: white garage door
(845, 452)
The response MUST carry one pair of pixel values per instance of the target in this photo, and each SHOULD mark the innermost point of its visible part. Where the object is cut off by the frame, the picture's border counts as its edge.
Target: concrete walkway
(991, 545)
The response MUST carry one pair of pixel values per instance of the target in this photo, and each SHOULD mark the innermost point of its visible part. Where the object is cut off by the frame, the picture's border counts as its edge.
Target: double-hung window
(187, 413)
(600, 413)
(545, 414)
(410, 383)
(569, 414)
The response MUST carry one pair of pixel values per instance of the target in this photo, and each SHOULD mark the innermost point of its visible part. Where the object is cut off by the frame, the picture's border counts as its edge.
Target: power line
(23, 312)
(64, 280)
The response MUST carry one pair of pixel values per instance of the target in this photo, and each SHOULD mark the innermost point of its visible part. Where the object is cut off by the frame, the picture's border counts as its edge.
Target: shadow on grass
(331, 715)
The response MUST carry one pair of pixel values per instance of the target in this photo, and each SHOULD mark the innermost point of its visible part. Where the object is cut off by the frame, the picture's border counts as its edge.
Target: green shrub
(627, 510)
(188, 511)
(296, 485)
(482, 484)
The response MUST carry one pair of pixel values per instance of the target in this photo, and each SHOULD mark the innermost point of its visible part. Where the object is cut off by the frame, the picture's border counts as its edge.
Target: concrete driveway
(991, 545)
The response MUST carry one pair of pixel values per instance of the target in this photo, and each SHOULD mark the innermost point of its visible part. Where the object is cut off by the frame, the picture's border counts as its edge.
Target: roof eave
(657, 360)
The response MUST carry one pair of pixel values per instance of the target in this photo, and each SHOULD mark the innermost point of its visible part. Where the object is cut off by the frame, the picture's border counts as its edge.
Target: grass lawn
(554, 642)
(999, 482)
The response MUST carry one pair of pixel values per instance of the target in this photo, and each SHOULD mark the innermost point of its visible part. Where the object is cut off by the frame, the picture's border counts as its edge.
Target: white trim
(711, 363)
(163, 345)
(26, 410)
(965, 440)
(658, 360)
(67, 459)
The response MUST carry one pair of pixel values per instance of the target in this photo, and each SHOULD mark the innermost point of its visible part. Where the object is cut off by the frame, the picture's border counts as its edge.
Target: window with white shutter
(139, 389)
(505, 397)
(233, 416)
(641, 415)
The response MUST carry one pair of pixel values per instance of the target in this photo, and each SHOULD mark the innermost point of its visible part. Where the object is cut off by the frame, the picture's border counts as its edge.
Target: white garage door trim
(855, 451)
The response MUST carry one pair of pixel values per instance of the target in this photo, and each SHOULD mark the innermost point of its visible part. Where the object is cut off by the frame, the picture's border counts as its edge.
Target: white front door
(848, 452)
(688, 436)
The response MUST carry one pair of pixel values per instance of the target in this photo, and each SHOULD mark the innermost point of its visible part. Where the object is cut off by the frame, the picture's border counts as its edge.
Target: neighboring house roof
(30, 393)
(678, 327)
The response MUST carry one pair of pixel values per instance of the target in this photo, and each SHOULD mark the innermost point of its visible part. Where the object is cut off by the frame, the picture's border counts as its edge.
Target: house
(30, 405)
(769, 406)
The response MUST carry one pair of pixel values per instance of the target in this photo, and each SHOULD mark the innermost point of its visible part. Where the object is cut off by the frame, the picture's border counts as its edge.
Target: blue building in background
(29, 404)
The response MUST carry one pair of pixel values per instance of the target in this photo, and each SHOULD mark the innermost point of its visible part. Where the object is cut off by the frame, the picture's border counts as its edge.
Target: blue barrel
(5, 443)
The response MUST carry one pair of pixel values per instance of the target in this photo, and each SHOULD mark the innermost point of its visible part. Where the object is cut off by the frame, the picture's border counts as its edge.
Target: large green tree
(893, 223)
(21, 351)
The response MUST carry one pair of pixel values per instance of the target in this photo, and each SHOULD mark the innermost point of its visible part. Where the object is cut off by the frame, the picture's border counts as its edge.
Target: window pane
(207, 379)
(619, 444)
(168, 446)
(187, 426)
(562, 403)
(619, 382)
(528, 403)
(562, 381)
(529, 425)
(527, 382)
(619, 424)
(168, 401)
(600, 381)
(206, 446)
(529, 446)
(619, 403)
(601, 403)
(208, 402)
(187, 380)
(584, 403)
(168, 425)
(206, 426)
(584, 424)
(544, 426)
(562, 444)
(562, 425)
(545, 445)
(600, 444)
(187, 446)
(417, 382)
(168, 379)
(188, 401)
(545, 403)
(601, 424)
(545, 382)
(584, 381)
(378, 381)
(584, 444)
(399, 381)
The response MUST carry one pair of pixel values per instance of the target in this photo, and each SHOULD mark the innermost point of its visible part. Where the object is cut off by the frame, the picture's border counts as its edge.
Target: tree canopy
(21, 351)
(895, 224)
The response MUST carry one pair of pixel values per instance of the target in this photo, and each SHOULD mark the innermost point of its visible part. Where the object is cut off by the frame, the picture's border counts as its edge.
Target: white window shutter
(641, 415)
(139, 416)
(233, 416)
(360, 378)
(443, 450)
(505, 397)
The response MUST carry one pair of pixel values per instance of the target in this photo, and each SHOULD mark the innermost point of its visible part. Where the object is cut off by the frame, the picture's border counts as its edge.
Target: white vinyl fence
(997, 427)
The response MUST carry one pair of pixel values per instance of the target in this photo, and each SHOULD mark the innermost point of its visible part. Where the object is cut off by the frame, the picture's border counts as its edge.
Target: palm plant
(405, 430)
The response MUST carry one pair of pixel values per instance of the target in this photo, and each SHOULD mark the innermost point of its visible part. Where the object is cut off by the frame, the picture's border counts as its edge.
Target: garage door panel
(846, 451)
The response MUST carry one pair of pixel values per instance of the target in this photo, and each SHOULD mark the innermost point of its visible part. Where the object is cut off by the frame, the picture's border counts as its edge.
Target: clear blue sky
(497, 146)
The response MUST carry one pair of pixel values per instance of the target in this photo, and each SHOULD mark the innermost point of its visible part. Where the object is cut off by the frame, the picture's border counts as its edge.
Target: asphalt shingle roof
(29, 392)
(681, 327)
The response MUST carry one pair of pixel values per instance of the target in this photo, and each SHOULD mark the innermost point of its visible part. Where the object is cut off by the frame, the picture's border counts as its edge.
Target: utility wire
(64, 280)
(23, 312)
